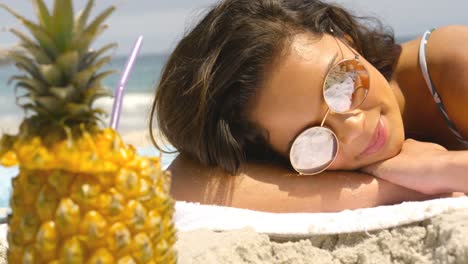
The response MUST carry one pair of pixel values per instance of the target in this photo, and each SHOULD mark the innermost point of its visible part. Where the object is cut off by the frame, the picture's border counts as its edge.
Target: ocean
(137, 101)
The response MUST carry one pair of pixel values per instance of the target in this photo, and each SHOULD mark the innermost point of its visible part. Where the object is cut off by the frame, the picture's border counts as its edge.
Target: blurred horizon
(163, 22)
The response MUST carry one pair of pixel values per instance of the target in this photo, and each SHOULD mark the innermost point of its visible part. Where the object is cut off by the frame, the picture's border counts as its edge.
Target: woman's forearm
(425, 167)
(454, 165)
(272, 188)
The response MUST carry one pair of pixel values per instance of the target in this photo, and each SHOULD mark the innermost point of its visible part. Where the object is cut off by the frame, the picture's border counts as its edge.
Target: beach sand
(442, 239)
(137, 138)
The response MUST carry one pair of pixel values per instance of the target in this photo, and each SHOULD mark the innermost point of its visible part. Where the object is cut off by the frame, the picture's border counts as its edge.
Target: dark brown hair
(216, 69)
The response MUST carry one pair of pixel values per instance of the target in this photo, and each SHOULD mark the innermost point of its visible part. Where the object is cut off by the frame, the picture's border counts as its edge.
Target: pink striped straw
(119, 92)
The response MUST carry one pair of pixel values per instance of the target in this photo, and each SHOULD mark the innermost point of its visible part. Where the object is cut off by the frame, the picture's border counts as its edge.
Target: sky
(163, 22)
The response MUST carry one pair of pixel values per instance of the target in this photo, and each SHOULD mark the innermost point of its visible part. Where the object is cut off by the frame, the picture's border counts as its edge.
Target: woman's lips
(378, 140)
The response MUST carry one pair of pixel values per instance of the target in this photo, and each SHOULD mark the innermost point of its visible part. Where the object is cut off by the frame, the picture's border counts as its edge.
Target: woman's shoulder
(447, 65)
(273, 188)
(447, 59)
(447, 45)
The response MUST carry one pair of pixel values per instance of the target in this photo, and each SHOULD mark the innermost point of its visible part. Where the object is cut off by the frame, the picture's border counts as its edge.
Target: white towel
(190, 216)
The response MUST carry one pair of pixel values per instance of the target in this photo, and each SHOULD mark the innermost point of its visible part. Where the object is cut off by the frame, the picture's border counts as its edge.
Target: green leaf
(25, 63)
(24, 39)
(93, 55)
(13, 12)
(96, 80)
(62, 23)
(64, 93)
(68, 63)
(31, 46)
(83, 43)
(42, 36)
(90, 33)
(39, 86)
(34, 108)
(37, 53)
(77, 109)
(49, 103)
(30, 85)
(82, 18)
(81, 79)
(51, 74)
(42, 13)
(93, 27)
(94, 93)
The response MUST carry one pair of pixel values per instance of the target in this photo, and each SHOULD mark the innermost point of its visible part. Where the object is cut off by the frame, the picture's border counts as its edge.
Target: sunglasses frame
(355, 60)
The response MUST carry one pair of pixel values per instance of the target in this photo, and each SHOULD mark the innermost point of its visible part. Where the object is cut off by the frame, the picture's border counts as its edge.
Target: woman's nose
(348, 126)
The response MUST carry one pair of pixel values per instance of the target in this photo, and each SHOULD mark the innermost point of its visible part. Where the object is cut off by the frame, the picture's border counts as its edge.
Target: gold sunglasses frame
(354, 61)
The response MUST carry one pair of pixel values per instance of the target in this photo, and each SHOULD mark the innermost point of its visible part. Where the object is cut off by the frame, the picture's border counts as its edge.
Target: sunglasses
(345, 88)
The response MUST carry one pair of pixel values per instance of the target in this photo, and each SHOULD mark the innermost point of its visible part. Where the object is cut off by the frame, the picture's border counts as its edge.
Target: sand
(442, 239)
(137, 138)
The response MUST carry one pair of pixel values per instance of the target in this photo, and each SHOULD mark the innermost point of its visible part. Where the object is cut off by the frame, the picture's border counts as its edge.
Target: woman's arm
(455, 164)
(274, 189)
(425, 167)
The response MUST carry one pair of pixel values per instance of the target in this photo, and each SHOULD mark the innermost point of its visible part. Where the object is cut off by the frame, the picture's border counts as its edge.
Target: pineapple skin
(90, 199)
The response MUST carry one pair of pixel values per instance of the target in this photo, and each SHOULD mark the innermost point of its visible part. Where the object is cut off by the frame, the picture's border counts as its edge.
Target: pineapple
(82, 195)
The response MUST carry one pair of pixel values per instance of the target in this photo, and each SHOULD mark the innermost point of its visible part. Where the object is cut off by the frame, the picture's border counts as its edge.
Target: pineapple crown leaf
(49, 103)
(83, 17)
(96, 80)
(30, 46)
(62, 75)
(23, 81)
(29, 85)
(42, 13)
(81, 79)
(24, 39)
(68, 63)
(62, 23)
(65, 93)
(51, 74)
(39, 33)
(100, 19)
(93, 55)
(25, 63)
(94, 93)
(95, 28)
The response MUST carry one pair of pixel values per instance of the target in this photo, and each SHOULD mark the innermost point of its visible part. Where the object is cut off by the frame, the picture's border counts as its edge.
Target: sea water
(139, 94)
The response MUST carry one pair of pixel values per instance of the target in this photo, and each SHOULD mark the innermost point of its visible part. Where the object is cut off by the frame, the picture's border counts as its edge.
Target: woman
(241, 90)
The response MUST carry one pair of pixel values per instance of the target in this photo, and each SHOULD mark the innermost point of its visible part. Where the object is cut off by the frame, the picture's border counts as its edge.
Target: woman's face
(291, 100)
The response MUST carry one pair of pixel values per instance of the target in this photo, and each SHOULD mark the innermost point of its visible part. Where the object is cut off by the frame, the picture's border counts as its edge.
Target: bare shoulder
(448, 66)
(447, 51)
(275, 189)
(449, 41)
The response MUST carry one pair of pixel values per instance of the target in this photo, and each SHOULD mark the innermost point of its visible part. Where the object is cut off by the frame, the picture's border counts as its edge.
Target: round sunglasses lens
(313, 150)
(346, 86)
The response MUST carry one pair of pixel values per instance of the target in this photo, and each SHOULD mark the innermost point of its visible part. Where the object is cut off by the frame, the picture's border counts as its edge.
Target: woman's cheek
(339, 163)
